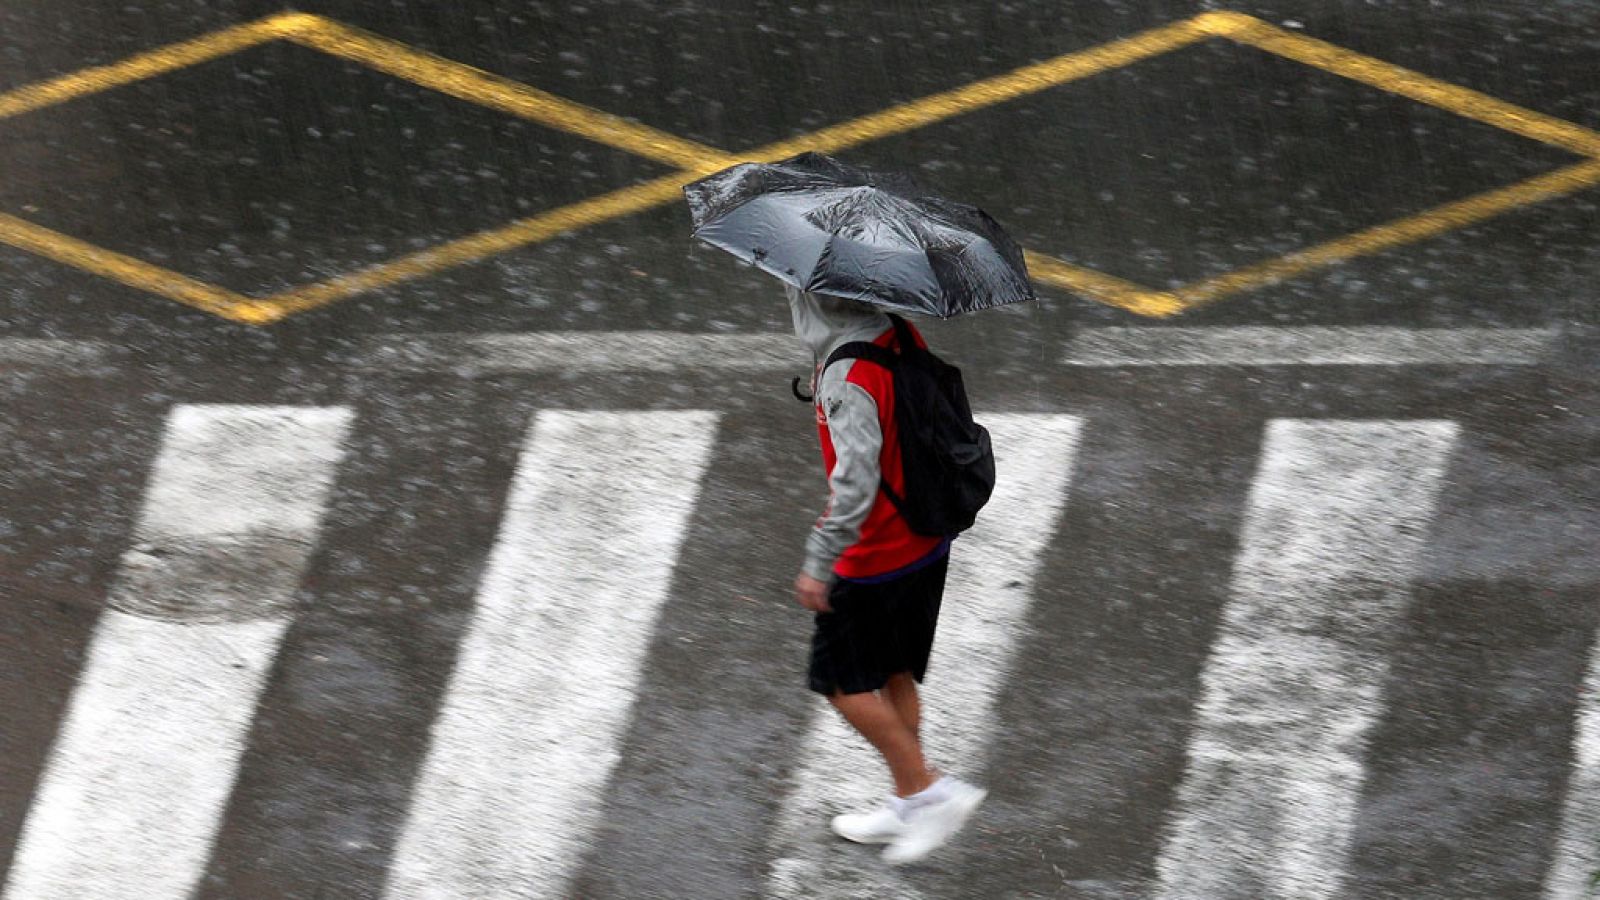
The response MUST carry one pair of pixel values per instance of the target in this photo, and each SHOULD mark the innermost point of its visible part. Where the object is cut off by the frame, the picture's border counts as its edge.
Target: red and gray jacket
(860, 535)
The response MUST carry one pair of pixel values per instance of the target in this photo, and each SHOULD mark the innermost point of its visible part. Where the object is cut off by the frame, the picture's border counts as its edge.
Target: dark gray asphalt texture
(267, 170)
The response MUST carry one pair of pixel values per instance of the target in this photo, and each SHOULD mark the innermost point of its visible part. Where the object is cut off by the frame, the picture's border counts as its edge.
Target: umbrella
(830, 228)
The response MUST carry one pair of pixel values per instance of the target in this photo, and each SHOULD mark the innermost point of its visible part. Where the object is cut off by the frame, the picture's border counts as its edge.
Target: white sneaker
(880, 826)
(928, 825)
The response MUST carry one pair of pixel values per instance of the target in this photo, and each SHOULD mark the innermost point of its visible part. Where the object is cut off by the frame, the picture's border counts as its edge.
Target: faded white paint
(548, 669)
(1306, 346)
(51, 352)
(139, 774)
(655, 351)
(586, 351)
(989, 590)
(1276, 761)
(1577, 857)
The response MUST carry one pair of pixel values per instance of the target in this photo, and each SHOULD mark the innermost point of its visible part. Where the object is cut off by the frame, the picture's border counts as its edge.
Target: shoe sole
(865, 840)
(965, 809)
(857, 839)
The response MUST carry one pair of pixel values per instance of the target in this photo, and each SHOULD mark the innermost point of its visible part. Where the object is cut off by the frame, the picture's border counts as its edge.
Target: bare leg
(879, 722)
(902, 692)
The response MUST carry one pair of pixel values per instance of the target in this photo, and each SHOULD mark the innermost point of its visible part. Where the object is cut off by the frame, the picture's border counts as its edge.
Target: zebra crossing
(1573, 875)
(550, 664)
(513, 784)
(1293, 684)
(172, 674)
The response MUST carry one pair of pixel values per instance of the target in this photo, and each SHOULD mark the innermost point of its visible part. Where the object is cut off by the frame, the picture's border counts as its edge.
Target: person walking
(848, 242)
(874, 584)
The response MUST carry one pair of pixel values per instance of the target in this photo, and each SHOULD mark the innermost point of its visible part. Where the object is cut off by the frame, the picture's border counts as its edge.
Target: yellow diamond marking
(694, 160)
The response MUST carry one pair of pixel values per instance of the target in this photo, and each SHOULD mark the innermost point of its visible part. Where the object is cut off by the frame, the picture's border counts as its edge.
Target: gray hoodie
(824, 323)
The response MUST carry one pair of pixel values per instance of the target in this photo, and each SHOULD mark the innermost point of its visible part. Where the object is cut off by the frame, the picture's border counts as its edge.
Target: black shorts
(876, 630)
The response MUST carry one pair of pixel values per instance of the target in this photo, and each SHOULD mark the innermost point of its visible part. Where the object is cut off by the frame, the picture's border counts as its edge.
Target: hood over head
(823, 322)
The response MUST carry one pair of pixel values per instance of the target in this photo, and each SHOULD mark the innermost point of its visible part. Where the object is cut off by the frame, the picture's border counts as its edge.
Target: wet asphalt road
(277, 167)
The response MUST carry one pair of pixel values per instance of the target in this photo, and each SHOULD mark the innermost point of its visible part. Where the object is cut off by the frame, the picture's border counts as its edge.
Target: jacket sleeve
(852, 417)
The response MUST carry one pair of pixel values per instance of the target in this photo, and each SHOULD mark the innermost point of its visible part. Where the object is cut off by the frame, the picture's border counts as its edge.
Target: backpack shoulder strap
(884, 357)
(903, 337)
(853, 350)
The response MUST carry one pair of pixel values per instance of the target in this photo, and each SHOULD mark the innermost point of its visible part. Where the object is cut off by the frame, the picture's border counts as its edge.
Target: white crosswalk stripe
(550, 664)
(1334, 523)
(1307, 346)
(1575, 871)
(578, 351)
(532, 723)
(143, 764)
(988, 592)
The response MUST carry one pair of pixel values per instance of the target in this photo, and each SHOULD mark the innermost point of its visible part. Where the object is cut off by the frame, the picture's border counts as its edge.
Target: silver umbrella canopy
(830, 228)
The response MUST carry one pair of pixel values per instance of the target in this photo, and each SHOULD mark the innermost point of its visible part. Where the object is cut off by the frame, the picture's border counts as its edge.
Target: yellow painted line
(496, 92)
(1026, 80)
(1021, 82)
(1416, 86)
(1226, 24)
(135, 273)
(694, 159)
(990, 91)
(477, 246)
(1107, 289)
(1433, 222)
(144, 65)
(705, 160)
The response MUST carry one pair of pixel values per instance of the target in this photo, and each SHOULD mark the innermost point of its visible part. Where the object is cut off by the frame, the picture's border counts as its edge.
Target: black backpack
(944, 455)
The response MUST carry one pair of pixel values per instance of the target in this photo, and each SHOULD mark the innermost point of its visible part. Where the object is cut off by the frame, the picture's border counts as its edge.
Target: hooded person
(874, 584)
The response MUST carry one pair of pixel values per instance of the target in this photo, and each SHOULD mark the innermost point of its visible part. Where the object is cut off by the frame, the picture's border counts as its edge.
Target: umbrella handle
(794, 388)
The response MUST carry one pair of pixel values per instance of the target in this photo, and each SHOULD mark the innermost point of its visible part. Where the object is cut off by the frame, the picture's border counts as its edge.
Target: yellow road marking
(1028, 79)
(494, 91)
(694, 159)
(1107, 289)
(132, 272)
(1225, 24)
(483, 244)
(990, 91)
(135, 68)
(1415, 86)
(1430, 223)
